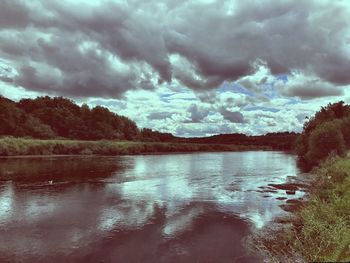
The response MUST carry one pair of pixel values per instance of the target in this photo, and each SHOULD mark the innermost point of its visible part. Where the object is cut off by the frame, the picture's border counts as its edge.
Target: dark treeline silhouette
(326, 133)
(280, 141)
(49, 118)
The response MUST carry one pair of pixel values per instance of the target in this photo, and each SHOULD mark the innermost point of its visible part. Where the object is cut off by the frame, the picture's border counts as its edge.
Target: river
(197, 207)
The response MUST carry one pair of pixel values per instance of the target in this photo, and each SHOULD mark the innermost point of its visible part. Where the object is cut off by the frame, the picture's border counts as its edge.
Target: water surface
(149, 208)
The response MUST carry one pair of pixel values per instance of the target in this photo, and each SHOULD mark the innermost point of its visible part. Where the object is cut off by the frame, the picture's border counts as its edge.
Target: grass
(325, 231)
(319, 232)
(10, 146)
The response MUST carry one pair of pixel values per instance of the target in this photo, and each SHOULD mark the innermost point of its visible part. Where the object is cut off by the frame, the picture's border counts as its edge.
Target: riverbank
(319, 230)
(10, 146)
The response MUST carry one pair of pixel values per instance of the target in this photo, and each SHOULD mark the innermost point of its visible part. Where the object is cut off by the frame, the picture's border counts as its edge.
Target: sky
(191, 68)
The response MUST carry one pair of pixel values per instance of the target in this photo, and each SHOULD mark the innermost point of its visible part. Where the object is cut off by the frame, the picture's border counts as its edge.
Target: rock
(290, 187)
(292, 205)
(281, 198)
(288, 208)
(269, 191)
(294, 201)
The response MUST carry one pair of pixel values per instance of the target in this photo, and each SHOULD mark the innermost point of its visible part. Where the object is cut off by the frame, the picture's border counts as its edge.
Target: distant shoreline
(25, 147)
(145, 153)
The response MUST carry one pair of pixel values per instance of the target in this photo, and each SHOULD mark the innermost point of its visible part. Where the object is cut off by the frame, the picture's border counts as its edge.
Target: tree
(33, 127)
(325, 139)
(10, 117)
(328, 131)
(46, 117)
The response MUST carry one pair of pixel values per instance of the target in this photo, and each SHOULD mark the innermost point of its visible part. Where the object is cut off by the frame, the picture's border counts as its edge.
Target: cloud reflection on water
(177, 189)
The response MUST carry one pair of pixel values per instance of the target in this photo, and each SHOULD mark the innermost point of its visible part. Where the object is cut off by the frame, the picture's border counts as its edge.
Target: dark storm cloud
(311, 89)
(60, 64)
(13, 14)
(313, 92)
(73, 48)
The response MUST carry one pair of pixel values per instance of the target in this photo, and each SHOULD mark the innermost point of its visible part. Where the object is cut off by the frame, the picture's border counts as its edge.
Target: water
(153, 208)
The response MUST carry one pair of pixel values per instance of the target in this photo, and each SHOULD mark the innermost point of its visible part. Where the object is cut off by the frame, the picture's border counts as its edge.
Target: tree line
(326, 133)
(47, 118)
(58, 117)
(279, 140)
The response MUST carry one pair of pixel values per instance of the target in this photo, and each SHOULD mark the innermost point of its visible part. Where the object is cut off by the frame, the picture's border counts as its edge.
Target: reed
(11, 146)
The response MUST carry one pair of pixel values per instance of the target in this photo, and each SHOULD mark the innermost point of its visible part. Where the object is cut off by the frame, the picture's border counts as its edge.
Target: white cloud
(250, 66)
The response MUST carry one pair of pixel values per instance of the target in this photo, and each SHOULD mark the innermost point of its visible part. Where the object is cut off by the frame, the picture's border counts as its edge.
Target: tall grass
(10, 146)
(324, 234)
(320, 231)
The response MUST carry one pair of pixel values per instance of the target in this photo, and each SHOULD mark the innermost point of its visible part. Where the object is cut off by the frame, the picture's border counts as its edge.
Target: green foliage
(16, 122)
(324, 233)
(46, 117)
(320, 231)
(345, 130)
(328, 132)
(279, 141)
(33, 127)
(10, 116)
(10, 146)
(301, 145)
(150, 135)
(325, 139)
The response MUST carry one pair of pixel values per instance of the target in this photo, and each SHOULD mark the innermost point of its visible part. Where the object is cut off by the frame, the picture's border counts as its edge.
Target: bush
(324, 140)
(324, 234)
(326, 133)
(345, 129)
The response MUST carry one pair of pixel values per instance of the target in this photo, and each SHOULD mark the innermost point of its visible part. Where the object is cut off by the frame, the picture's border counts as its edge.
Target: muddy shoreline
(270, 240)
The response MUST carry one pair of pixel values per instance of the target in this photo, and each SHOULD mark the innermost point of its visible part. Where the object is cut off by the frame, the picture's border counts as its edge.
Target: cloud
(159, 115)
(106, 48)
(180, 66)
(232, 116)
(197, 114)
(197, 130)
(308, 87)
(13, 14)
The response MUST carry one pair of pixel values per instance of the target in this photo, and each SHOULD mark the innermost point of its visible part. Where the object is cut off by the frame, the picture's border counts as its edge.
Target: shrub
(325, 139)
(325, 133)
